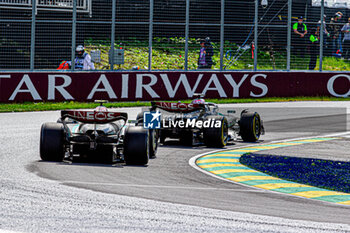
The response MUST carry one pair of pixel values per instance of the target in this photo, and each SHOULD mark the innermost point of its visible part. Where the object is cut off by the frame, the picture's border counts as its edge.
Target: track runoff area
(225, 165)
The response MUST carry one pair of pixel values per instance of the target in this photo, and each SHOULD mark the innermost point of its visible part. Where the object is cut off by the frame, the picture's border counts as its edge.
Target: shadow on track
(92, 163)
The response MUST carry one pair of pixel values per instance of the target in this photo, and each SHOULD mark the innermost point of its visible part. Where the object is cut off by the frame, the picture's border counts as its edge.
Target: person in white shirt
(326, 36)
(82, 59)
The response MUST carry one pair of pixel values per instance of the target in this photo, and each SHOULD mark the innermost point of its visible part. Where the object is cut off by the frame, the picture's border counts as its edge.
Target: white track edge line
(192, 163)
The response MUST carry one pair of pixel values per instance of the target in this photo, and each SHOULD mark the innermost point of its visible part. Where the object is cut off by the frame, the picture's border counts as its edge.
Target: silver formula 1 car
(98, 133)
(201, 122)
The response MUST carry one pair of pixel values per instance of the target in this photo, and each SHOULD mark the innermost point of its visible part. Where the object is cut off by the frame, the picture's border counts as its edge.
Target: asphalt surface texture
(168, 195)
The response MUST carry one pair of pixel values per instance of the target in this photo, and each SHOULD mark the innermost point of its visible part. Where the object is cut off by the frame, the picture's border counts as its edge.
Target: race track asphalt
(167, 195)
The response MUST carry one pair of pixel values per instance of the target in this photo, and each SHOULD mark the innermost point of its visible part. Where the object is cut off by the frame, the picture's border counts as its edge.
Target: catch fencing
(36, 35)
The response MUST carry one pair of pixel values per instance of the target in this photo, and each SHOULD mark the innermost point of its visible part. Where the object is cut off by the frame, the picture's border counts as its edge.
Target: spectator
(336, 34)
(205, 55)
(314, 51)
(83, 60)
(300, 30)
(346, 41)
(326, 35)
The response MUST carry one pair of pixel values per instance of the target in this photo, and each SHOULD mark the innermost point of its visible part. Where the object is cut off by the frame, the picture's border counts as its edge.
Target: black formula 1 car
(98, 133)
(200, 122)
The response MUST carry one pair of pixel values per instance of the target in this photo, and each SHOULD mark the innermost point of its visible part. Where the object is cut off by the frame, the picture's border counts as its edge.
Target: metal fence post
(222, 34)
(74, 29)
(187, 31)
(114, 3)
(321, 36)
(256, 35)
(32, 41)
(289, 33)
(150, 34)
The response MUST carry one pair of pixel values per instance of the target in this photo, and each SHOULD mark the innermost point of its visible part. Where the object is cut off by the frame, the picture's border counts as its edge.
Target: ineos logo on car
(102, 116)
(92, 115)
(178, 107)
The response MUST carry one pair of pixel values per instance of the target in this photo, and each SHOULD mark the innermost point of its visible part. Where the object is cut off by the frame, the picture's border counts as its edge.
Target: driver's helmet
(101, 109)
(79, 51)
(198, 101)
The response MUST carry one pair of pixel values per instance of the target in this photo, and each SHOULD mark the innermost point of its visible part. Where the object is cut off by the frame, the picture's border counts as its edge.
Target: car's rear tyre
(153, 142)
(216, 136)
(250, 126)
(136, 146)
(153, 136)
(52, 142)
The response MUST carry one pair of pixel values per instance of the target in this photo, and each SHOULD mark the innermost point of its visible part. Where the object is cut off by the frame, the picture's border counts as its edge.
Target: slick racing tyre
(136, 146)
(250, 126)
(52, 142)
(216, 137)
(153, 136)
(153, 143)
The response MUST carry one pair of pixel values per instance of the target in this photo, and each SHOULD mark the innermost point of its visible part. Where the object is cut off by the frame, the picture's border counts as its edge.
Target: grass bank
(327, 174)
(169, 54)
(50, 106)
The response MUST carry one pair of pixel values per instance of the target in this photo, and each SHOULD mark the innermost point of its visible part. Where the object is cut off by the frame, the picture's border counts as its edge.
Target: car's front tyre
(216, 136)
(250, 126)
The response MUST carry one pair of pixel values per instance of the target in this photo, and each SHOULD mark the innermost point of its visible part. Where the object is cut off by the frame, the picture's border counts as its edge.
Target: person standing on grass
(300, 30)
(346, 41)
(336, 34)
(326, 35)
(314, 51)
(205, 54)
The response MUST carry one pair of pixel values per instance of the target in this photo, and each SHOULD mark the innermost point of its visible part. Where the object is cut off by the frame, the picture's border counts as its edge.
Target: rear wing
(93, 117)
(177, 107)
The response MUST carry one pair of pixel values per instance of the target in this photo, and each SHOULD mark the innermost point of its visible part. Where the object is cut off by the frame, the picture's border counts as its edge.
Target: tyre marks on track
(225, 164)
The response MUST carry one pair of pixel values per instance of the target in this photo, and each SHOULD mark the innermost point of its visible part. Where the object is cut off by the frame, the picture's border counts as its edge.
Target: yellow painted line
(311, 140)
(313, 194)
(246, 178)
(218, 160)
(221, 165)
(245, 150)
(264, 147)
(223, 155)
(344, 203)
(286, 144)
(280, 185)
(217, 172)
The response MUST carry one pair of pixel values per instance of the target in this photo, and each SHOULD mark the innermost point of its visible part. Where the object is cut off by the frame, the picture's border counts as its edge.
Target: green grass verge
(47, 106)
